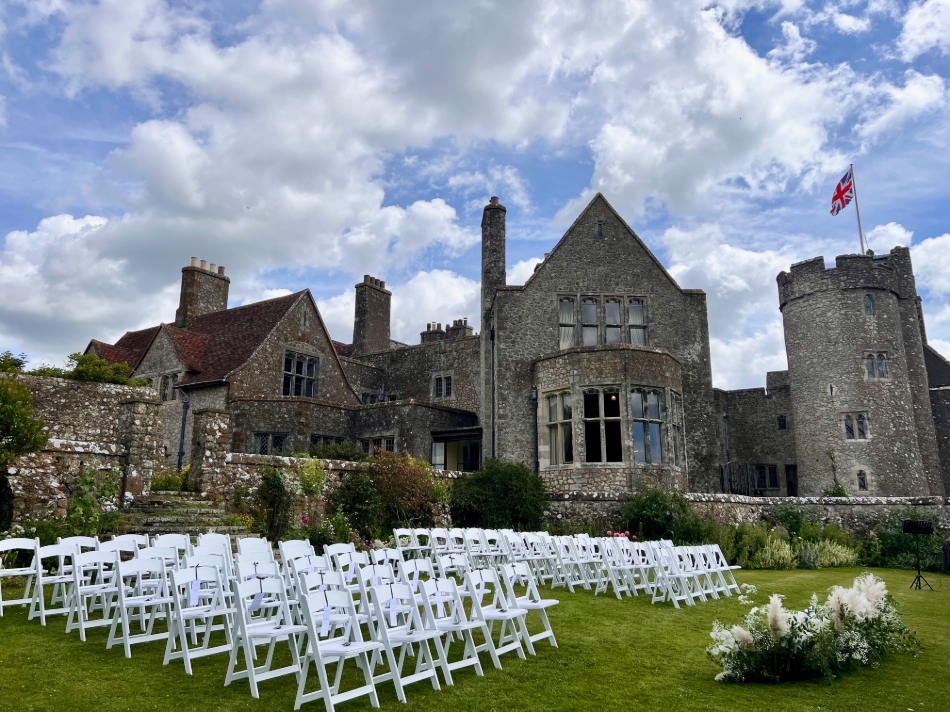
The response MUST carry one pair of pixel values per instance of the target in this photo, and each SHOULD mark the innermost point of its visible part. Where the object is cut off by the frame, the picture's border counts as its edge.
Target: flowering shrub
(776, 554)
(856, 626)
(831, 554)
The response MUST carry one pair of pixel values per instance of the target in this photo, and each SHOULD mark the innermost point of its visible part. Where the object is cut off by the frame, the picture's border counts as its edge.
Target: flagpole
(857, 210)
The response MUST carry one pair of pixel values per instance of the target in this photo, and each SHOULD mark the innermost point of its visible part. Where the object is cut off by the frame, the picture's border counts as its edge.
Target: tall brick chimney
(493, 252)
(203, 291)
(371, 321)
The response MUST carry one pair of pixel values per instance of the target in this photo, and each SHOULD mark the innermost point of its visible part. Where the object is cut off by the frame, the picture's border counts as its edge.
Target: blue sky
(303, 144)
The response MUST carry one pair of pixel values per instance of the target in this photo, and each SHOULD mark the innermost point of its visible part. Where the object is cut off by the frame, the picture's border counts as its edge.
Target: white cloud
(521, 272)
(436, 295)
(881, 238)
(932, 264)
(926, 27)
(919, 95)
(743, 362)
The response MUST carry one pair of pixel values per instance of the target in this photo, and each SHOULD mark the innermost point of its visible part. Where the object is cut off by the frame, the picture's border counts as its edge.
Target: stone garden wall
(99, 425)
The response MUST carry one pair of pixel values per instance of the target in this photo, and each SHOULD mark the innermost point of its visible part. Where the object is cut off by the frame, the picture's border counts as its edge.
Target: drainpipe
(181, 437)
(534, 398)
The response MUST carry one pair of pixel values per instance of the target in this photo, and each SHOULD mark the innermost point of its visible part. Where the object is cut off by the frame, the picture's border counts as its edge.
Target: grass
(613, 655)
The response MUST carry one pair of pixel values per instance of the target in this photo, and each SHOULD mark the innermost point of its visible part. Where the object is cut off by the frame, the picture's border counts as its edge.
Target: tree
(91, 368)
(20, 433)
(10, 363)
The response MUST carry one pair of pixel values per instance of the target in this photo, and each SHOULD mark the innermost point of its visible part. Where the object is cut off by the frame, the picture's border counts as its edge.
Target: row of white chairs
(665, 572)
(318, 604)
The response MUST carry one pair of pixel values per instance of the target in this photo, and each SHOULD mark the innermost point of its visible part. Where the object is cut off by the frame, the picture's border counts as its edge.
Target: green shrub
(898, 550)
(338, 451)
(333, 529)
(359, 501)
(793, 518)
(807, 558)
(655, 514)
(407, 488)
(313, 477)
(500, 495)
(10, 363)
(168, 481)
(834, 533)
(776, 554)
(750, 538)
(20, 433)
(91, 368)
(93, 491)
(834, 555)
(276, 503)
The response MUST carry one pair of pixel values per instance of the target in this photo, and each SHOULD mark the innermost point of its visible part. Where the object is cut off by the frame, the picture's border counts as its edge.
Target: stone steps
(181, 512)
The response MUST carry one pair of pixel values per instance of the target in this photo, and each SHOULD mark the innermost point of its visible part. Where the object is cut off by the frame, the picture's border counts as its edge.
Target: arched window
(862, 481)
(849, 427)
(881, 366)
(862, 427)
(647, 411)
(869, 304)
(869, 365)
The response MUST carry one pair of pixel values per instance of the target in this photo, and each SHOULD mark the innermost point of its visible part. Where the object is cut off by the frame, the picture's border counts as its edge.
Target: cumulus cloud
(743, 362)
(881, 238)
(932, 264)
(919, 95)
(926, 26)
(521, 272)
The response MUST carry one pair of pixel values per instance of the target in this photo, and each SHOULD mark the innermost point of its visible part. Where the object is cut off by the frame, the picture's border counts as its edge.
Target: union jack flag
(844, 193)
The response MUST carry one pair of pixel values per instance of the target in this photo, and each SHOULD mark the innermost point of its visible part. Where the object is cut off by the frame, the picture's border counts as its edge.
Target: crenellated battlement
(889, 272)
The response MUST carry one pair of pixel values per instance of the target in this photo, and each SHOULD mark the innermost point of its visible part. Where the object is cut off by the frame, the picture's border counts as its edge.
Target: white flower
(777, 616)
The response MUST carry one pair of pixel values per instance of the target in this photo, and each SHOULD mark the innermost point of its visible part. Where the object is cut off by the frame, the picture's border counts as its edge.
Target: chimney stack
(371, 321)
(203, 292)
(432, 333)
(459, 329)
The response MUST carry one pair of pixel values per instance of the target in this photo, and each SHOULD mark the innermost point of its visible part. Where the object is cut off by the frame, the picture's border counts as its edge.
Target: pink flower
(305, 520)
(626, 533)
(634, 537)
(609, 533)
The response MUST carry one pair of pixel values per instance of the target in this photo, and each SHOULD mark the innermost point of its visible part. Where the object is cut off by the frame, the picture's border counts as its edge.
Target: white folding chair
(722, 564)
(181, 542)
(197, 600)
(328, 644)
(405, 541)
(498, 610)
(140, 540)
(414, 570)
(614, 570)
(447, 613)
(453, 565)
(400, 626)
(216, 547)
(93, 578)
(254, 627)
(255, 546)
(388, 557)
(142, 586)
(8, 547)
(670, 584)
(520, 574)
(61, 579)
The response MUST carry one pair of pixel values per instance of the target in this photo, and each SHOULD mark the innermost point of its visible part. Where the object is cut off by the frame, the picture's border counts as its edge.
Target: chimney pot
(366, 279)
(213, 267)
(494, 200)
(382, 283)
(221, 270)
(194, 261)
(204, 264)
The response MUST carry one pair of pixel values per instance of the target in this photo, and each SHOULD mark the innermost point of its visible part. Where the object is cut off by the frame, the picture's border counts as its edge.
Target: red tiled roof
(342, 349)
(111, 354)
(137, 342)
(219, 343)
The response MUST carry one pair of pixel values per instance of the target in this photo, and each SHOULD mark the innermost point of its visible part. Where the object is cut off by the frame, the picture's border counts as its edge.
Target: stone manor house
(596, 373)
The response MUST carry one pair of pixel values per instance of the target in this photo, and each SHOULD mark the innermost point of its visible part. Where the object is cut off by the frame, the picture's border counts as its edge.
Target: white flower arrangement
(855, 627)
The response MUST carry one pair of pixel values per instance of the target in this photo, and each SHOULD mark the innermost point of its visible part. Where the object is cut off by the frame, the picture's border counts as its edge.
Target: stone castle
(596, 373)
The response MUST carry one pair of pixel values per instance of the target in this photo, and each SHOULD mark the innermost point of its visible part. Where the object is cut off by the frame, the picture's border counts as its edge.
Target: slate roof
(342, 349)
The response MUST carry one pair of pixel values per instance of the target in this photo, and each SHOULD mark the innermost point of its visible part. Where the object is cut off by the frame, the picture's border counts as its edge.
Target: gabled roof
(341, 348)
(938, 368)
(129, 349)
(218, 344)
(600, 199)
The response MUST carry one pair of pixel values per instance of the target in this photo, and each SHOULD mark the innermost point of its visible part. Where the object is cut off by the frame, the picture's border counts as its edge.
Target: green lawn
(613, 655)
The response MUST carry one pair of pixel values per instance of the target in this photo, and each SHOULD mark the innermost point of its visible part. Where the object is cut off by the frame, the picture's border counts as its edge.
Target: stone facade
(97, 425)
(601, 327)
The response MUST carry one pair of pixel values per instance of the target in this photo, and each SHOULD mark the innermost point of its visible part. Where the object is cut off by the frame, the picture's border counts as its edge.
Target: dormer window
(301, 372)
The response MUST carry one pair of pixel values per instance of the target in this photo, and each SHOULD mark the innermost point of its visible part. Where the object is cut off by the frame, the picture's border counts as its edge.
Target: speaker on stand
(918, 527)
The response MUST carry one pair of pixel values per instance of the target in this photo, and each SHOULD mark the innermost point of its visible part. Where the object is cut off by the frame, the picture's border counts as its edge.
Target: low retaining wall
(98, 425)
(856, 514)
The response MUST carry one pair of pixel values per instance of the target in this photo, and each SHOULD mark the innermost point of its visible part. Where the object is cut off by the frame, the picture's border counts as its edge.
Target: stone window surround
(768, 470)
(443, 375)
(385, 440)
(842, 420)
(303, 350)
(868, 304)
(626, 427)
(168, 387)
(877, 354)
(867, 475)
(781, 422)
(601, 300)
(557, 425)
(270, 437)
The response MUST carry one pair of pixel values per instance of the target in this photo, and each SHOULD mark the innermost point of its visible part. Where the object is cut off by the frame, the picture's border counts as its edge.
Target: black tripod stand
(918, 527)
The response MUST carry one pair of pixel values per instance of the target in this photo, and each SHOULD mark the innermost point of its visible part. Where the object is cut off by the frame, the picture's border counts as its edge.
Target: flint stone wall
(98, 425)
(855, 514)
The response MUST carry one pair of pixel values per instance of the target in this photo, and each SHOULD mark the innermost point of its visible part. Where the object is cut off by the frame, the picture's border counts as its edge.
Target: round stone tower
(854, 339)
